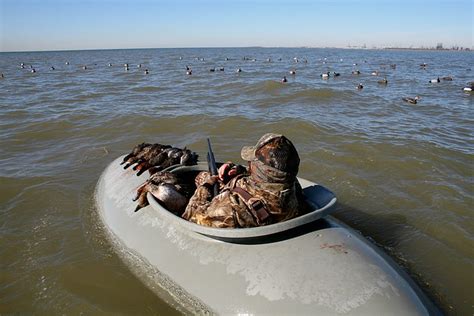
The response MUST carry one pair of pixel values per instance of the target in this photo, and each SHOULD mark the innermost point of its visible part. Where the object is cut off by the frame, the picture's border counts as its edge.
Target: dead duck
(165, 187)
(412, 100)
(156, 157)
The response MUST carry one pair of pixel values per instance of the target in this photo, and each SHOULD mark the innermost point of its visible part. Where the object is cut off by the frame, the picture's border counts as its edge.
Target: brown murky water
(403, 173)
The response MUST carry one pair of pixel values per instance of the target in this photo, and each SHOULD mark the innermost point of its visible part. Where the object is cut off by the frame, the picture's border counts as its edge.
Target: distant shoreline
(467, 49)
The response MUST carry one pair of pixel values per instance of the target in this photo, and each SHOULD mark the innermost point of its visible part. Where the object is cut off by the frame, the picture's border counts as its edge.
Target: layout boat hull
(312, 265)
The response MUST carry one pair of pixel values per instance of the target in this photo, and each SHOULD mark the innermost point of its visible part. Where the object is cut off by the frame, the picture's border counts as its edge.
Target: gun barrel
(211, 158)
(211, 161)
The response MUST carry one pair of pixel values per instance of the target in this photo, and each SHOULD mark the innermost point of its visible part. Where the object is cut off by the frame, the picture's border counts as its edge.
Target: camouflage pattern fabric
(229, 210)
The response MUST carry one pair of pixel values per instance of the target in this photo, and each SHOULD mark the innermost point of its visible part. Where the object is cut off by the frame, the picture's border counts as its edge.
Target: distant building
(439, 46)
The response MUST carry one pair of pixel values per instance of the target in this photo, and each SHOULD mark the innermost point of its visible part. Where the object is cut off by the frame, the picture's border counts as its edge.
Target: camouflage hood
(260, 172)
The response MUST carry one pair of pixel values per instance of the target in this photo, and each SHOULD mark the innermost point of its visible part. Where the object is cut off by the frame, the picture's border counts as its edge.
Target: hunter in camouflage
(267, 193)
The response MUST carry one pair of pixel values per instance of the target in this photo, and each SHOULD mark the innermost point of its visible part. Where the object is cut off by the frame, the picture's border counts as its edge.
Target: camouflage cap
(274, 150)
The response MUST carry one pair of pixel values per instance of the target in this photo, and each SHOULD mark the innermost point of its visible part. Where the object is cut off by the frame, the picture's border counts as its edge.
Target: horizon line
(355, 47)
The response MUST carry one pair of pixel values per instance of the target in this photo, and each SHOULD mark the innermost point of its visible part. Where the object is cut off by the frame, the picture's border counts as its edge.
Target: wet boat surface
(305, 265)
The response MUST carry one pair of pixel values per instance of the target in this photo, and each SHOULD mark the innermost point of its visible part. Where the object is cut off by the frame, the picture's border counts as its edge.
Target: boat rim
(251, 232)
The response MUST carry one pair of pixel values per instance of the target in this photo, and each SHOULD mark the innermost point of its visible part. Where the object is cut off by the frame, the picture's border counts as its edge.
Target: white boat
(310, 265)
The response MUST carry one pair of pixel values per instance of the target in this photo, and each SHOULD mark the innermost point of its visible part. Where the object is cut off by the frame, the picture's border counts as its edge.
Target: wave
(266, 87)
(147, 89)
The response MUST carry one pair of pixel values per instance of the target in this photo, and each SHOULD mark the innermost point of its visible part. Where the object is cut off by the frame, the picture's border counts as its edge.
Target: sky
(34, 25)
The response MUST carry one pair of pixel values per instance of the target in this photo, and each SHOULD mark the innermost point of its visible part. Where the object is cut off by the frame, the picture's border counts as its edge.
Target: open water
(403, 173)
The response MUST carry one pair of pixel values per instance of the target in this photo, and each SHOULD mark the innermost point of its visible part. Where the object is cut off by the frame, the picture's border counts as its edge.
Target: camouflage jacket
(244, 202)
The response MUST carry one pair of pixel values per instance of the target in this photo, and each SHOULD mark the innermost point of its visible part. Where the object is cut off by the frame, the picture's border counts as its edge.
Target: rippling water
(403, 173)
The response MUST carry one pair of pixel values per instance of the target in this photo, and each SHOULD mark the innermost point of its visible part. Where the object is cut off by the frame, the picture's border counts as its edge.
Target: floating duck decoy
(412, 100)
(435, 80)
(384, 81)
(469, 88)
(360, 86)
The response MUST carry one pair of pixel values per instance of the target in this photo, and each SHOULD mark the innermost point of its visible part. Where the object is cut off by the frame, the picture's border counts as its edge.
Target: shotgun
(211, 162)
